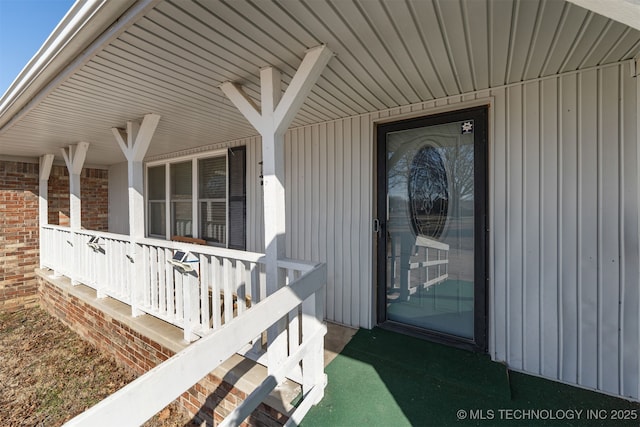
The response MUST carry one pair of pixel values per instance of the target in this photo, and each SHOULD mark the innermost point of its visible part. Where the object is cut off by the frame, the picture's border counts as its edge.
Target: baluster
(241, 287)
(153, 282)
(228, 289)
(255, 298)
(162, 285)
(205, 279)
(146, 277)
(170, 286)
(216, 274)
(293, 326)
(312, 319)
(190, 303)
(101, 259)
(178, 284)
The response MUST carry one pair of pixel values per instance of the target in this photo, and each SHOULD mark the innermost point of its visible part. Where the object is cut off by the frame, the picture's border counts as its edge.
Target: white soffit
(172, 61)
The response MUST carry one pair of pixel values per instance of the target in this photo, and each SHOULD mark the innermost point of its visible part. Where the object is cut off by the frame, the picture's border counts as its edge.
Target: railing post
(134, 142)
(44, 171)
(312, 320)
(191, 304)
(136, 277)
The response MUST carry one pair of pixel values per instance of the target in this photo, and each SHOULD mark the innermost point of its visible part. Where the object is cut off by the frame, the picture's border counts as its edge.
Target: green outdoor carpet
(383, 378)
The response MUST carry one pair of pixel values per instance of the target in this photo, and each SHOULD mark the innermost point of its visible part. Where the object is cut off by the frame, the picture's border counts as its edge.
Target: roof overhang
(113, 61)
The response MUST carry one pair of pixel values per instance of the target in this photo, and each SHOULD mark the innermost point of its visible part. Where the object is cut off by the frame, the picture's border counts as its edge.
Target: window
(181, 199)
(206, 198)
(212, 199)
(156, 195)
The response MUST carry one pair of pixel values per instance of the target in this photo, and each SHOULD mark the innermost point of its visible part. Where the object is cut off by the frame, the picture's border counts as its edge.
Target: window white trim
(195, 193)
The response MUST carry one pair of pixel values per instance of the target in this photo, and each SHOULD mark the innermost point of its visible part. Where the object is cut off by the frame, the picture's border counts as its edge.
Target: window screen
(156, 195)
(212, 201)
(181, 193)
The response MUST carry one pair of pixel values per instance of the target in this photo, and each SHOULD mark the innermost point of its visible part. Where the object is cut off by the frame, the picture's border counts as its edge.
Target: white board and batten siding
(564, 297)
(564, 292)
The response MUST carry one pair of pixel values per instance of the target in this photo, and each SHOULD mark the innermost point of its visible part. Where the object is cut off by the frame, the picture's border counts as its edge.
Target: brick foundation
(208, 401)
(19, 234)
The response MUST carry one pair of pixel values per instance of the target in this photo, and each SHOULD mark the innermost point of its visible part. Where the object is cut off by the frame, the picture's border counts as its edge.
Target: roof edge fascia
(88, 27)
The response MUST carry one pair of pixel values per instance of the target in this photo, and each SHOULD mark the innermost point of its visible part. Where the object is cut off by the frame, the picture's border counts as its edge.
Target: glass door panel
(430, 233)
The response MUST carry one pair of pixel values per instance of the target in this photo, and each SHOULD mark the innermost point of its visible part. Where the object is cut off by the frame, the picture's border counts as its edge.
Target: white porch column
(74, 157)
(134, 142)
(272, 121)
(44, 171)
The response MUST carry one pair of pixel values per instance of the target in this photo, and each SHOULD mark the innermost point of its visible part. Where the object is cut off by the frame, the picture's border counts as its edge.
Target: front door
(432, 234)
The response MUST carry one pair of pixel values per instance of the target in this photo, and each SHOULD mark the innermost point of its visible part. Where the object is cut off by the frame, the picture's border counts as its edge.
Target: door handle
(376, 225)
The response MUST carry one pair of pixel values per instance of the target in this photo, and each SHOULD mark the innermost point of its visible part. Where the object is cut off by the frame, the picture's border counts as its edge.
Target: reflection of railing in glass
(421, 262)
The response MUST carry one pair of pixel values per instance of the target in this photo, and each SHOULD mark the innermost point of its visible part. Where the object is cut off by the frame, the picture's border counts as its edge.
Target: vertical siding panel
(531, 221)
(588, 228)
(315, 193)
(338, 230)
(300, 218)
(260, 194)
(307, 194)
(288, 191)
(569, 331)
(356, 219)
(255, 228)
(323, 206)
(609, 278)
(331, 223)
(347, 214)
(366, 250)
(630, 316)
(515, 275)
(498, 208)
(549, 228)
(251, 188)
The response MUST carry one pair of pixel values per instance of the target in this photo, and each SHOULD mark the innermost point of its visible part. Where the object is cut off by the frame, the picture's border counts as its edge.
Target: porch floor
(383, 378)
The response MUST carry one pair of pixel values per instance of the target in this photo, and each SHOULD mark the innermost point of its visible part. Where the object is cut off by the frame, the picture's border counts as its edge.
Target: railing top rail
(57, 227)
(103, 234)
(168, 244)
(295, 264)
(206, 250)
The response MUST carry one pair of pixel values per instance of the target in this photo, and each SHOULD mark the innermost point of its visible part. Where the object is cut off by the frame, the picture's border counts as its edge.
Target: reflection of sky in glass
(455, 148)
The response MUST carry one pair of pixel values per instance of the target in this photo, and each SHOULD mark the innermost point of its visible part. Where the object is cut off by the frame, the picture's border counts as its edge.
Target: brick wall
(94, 192)
(19, 254)
(209, 401)
(18, 234)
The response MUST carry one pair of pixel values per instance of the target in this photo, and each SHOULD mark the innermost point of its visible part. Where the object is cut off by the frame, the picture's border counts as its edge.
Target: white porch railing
(224, 294)
(147, 395)
(223, 284)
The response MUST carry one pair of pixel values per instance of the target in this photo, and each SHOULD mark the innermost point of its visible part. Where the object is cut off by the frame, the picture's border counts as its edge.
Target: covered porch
(252, 127)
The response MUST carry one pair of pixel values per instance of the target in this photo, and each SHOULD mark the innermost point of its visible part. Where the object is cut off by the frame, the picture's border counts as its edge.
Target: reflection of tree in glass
(428, 192)
(458, 162)
(456, 157)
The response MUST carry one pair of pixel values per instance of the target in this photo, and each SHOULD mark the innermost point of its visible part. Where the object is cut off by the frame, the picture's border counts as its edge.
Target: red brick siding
(208, 400)
(19, 252)
(18, 235)
(94, 192)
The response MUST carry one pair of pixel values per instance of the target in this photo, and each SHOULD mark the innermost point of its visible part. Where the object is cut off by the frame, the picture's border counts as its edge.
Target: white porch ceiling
(389, 53)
